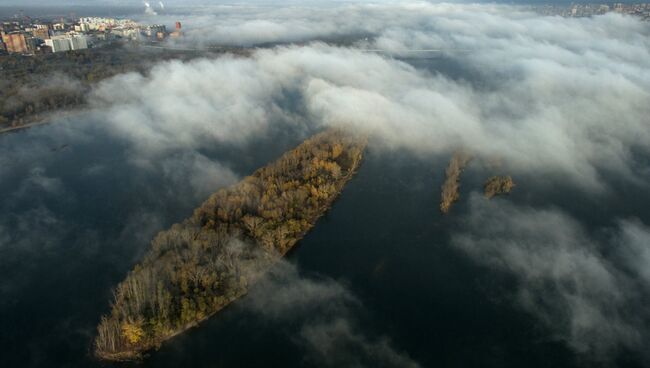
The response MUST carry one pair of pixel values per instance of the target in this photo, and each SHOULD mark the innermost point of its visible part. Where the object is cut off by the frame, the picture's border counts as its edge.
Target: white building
(78, 43)
(67, 43)
(58, 43)
(153, 30)
(83, 27)
(102, 24)
(133, 34)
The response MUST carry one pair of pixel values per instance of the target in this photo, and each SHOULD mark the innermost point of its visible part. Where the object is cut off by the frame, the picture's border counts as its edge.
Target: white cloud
(552, 97)
(325, 313)
(203, 175)
(549, 95)
(338, 344)
(563, 276)
(634, 250)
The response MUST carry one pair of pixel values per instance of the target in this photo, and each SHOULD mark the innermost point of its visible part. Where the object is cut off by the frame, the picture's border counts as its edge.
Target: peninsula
(199, 266)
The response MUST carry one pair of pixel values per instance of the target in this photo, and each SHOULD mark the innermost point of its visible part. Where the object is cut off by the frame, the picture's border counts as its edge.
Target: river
(78, 212)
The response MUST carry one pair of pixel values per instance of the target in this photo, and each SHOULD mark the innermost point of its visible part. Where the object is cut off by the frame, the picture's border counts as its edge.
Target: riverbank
(21, 127)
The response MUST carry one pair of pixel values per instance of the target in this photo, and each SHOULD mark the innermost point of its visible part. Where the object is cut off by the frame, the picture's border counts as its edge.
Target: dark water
(76, 219)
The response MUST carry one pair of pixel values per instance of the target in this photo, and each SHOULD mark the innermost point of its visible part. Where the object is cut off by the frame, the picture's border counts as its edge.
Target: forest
(32, 86)
(202, 264)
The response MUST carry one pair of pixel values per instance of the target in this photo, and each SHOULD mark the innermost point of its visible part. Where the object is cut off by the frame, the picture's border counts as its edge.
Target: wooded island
(199, 266)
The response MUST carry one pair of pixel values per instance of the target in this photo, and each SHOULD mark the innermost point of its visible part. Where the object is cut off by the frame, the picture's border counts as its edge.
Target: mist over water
(71, 229)
(554, 274)
(384, 250)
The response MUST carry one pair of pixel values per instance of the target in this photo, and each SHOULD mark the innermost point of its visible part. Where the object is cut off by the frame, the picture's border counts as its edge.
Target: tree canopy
(197, 267)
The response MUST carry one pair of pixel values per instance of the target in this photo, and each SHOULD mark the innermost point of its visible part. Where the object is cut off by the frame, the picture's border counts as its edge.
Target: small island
(496, 185)
(199, 266)
(450, 188)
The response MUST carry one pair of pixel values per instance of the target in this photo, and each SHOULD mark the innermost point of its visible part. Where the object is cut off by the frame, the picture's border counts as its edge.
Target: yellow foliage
(337, 149)
(193, 271)
(496, 185)
(133, 332)
(314, 191)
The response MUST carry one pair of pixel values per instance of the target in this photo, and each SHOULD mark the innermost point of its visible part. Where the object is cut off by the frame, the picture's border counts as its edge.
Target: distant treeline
(32, 86)
(200, 265)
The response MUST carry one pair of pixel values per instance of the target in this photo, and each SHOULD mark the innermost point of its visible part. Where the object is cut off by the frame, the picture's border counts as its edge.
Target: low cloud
(38, 180)
(202, 174)
(564, 278)
(338, 344)
(189, 105)
(549, 95)
(37, 232)
(327, 315)
(284, 293)
(633, 244)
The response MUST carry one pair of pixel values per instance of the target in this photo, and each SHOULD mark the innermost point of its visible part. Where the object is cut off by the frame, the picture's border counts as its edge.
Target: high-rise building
(67, 43)
(78, 43)
(15, 42)
(32, 44)
(83, 27)
(178, 32)
(58, 44)
(153, 30)
(42, 33)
